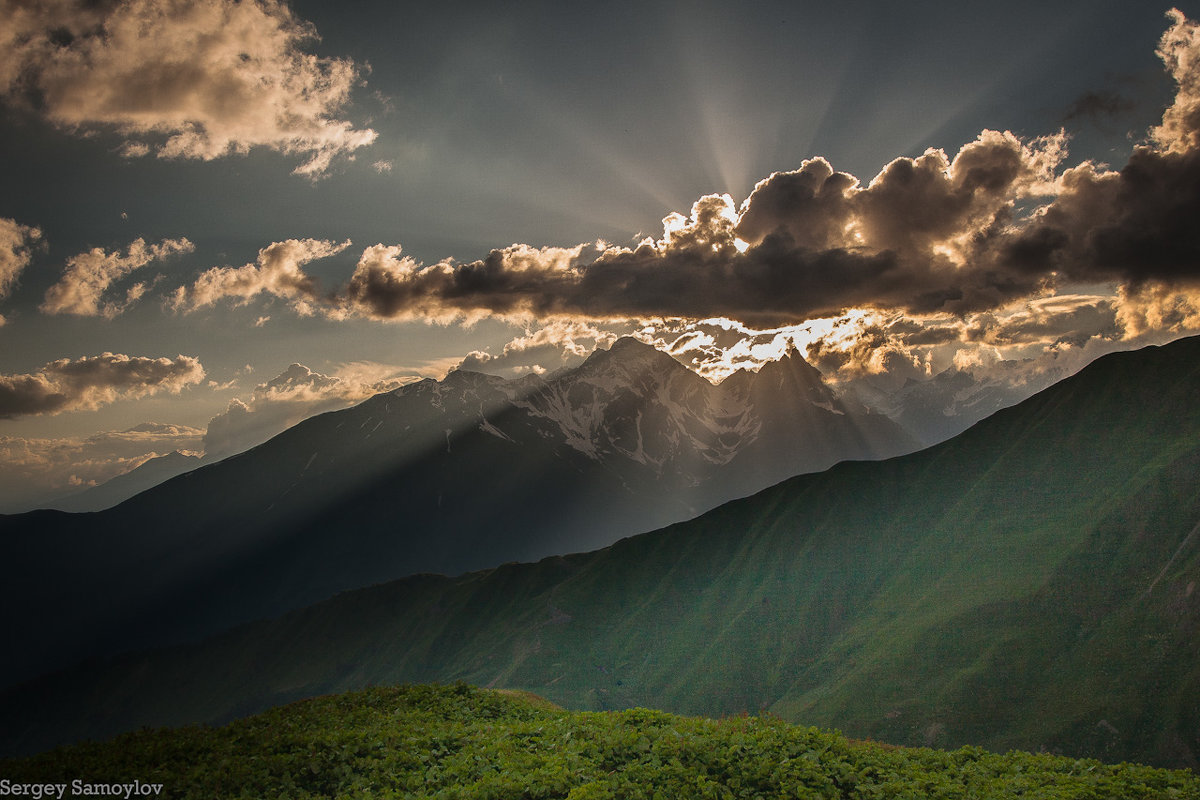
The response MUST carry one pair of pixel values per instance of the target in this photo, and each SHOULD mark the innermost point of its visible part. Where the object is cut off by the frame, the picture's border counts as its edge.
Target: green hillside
(462, 742)
(1030, 584)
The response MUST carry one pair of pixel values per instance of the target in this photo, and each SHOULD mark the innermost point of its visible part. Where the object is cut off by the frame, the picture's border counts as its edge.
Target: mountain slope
(1031, 583)
(458, 741)
(446, 477)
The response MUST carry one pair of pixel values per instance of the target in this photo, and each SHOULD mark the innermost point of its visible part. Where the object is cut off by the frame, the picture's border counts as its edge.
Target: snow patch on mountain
(488, 427)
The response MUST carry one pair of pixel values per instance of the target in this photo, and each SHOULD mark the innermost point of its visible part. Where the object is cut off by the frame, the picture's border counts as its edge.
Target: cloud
(905, 347)
(89, 275)
(898, 346)
(811, 206)
(998, 228)
(33, 470)
(1133, 227)
(291, 396)
(1098, 104)
(1136, 226)
(196, 80)
(90, 382)
(807, 243)
(16, 242)
(1160, 310)
(277, 271)
(1179, 49)
(512, 282)
(1048, 322)
(550, 347)
(931, 234)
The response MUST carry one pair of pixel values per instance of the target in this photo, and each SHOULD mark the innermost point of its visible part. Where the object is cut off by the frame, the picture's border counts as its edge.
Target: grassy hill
(463, 742)
(1031, 583)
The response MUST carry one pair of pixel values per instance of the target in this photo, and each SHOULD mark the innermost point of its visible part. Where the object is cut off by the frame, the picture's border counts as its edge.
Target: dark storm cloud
(771, 282)
(1134, 226)
(90, 382)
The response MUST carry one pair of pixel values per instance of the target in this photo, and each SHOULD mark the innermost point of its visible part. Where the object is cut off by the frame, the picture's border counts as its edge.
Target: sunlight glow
(717, 347)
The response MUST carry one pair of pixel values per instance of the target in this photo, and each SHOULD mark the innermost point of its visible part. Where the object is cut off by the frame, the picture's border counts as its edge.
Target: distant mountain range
(1030, 583)
(119, 489)
(437, 476)
(936, 408)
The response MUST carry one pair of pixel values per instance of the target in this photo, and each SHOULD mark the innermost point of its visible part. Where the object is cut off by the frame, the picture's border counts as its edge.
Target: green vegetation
(461, 742)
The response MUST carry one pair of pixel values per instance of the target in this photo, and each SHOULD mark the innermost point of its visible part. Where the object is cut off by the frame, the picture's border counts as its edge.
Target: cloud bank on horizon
(1002, 252)
(34, 468)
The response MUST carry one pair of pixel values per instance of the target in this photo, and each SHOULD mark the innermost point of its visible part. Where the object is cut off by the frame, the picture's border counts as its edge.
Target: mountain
(1030, 583)
(945, 405)
(116, 490)
(437, 476)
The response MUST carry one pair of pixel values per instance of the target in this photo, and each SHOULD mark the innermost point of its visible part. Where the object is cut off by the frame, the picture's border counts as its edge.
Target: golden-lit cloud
(94, 381)
(16, 241)
(277, 271)
(1179, 49)
(294, 395)
(88, 276)
(552, 346)
(806, 244)
(903, 346)
(197, 80)
(513, 282)
(1158, 309)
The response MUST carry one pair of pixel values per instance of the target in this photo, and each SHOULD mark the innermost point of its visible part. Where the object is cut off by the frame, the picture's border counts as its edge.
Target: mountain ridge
(442, 476)
(1030, 583)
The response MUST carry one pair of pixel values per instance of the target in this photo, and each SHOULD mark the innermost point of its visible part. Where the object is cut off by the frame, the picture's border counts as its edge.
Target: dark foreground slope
(1031, 583)
(423, 741)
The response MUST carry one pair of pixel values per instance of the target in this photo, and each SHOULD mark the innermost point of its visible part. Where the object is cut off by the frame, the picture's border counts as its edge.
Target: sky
(218, 218)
